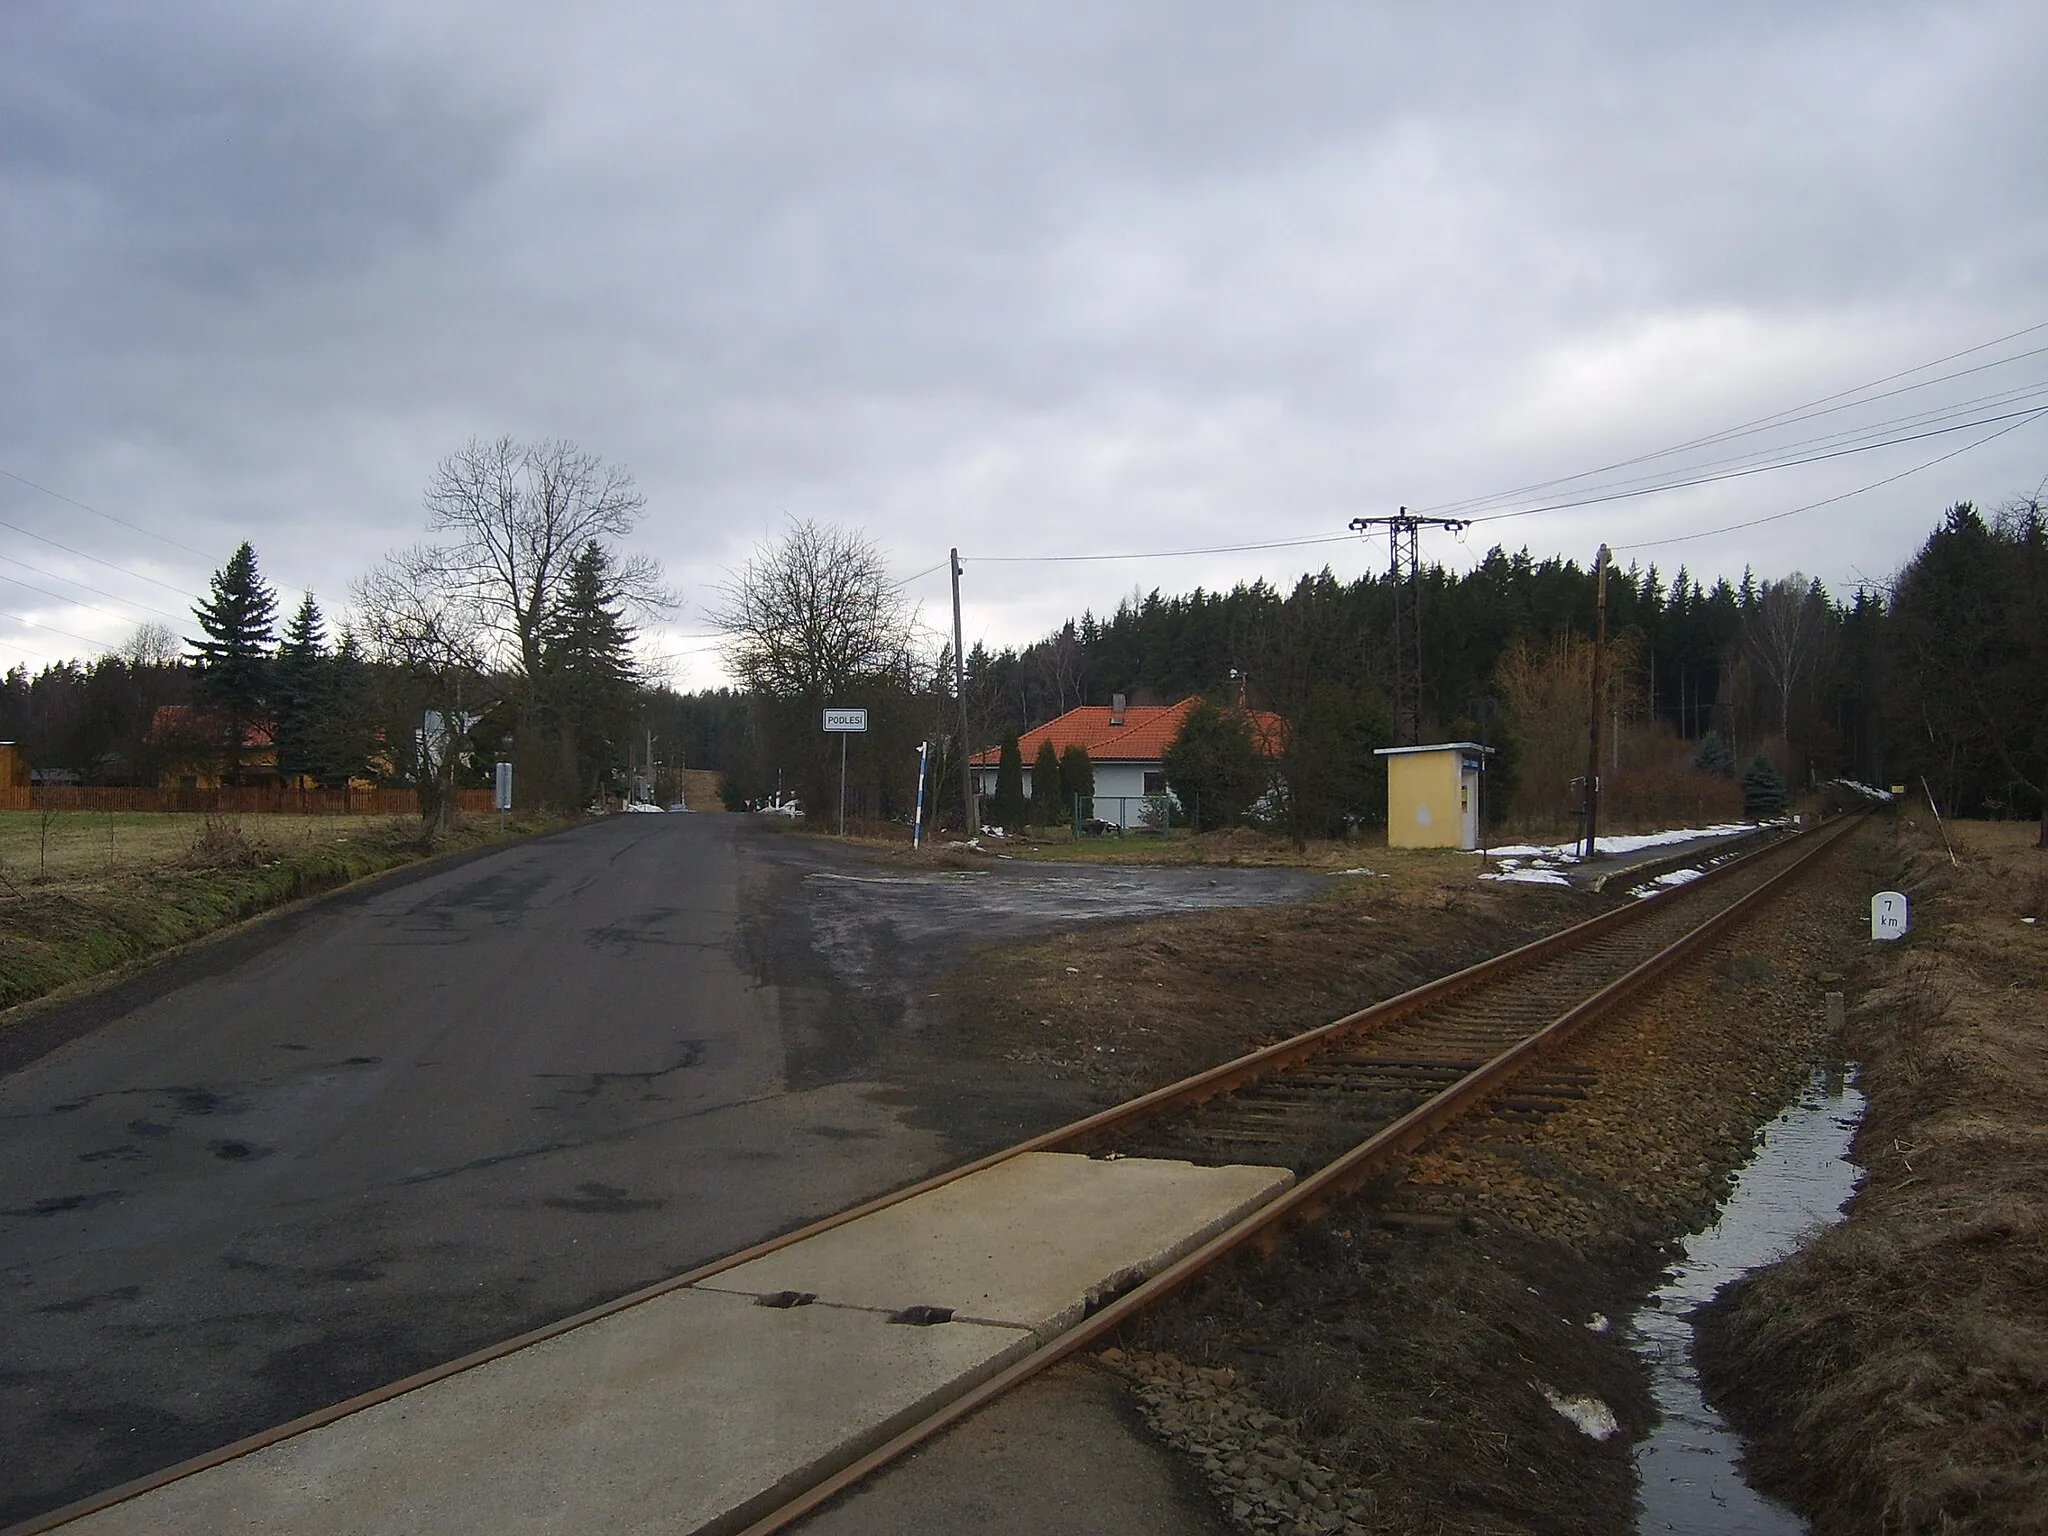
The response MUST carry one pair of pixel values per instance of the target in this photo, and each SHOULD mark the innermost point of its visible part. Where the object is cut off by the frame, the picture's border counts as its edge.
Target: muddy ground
(1002, 998)
(1394, 1368)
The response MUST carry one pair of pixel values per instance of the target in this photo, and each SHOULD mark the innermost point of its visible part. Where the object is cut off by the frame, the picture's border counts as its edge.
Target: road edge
(33, 1029)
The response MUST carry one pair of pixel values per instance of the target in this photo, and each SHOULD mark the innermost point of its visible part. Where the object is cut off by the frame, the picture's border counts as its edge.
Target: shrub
(1763, 792)
(1007, 809)
(1715, 756)
(1214, 768)
(1047, 798)
(1077, 780)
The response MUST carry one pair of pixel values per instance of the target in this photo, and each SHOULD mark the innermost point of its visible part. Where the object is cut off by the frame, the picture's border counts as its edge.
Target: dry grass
(64, 847)
(82, 893)
(700, 789)
(1895, 1372)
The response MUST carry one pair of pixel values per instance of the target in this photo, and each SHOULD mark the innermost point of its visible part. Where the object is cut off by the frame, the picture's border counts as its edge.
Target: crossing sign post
(845, 722)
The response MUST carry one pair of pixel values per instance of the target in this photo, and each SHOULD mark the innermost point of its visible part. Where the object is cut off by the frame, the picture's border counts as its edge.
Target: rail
(1310, 1197)
(1304, 1201)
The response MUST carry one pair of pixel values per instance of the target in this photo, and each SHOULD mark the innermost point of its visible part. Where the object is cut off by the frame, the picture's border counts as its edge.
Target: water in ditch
(1798, 1179)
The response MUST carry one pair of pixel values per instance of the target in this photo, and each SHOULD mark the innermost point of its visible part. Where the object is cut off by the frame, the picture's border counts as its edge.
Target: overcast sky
(1090, 279)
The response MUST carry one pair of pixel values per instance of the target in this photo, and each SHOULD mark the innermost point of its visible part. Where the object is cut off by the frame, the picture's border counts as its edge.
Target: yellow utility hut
(1433, 794)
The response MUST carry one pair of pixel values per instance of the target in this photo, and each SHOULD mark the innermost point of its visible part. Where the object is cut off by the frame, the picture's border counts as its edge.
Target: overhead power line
(1774, 419)
(1756, 522)
(96, 512)
(53, 629)
(72, 581)
(96, 560)
(2020, 417)
(1163, 554)
(29, 586)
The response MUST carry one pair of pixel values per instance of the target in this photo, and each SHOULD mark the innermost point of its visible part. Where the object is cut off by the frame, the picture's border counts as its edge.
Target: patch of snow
(1528, 877)
(1684, 876)
(1588, 1415)
(1598, 1323)
(1568, 852)
(642, 806)
(1374, 873)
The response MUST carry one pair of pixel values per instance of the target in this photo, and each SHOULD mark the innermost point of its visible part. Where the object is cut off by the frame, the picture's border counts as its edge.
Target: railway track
(1341, 1102)
(1337, 1104)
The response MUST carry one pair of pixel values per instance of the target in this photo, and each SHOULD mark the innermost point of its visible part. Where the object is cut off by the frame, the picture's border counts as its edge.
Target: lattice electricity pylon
(1404, 545)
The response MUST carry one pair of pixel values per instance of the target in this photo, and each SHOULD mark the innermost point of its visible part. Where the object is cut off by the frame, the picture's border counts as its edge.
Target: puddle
(1798, 1179)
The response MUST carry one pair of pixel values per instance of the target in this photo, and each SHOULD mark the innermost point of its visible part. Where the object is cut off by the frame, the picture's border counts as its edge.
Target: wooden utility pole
(1593, 716)
(967, 806)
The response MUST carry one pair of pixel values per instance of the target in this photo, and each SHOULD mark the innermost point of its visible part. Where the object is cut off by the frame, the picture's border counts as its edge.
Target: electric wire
(72, 581)
(2031, 414)
(1165, 554)
(1757, 522)
(96, 560)
(53, 629)
(29, 586)
(1848, 435)
(96, 512)
(1776, 418)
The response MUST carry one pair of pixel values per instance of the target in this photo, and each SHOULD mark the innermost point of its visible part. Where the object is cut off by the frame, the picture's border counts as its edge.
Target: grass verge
(152, 884)
(1893, 1374)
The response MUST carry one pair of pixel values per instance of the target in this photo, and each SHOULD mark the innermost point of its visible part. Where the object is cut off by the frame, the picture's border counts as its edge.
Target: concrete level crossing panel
(663, 1417)
(696, 1409)
(1029, 1242)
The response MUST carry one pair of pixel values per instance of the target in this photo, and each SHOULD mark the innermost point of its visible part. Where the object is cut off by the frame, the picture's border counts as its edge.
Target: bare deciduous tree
(411, 621)
(1547, 688)
(152, 645)
(812, 614)
(1788, 634)
(515, 516)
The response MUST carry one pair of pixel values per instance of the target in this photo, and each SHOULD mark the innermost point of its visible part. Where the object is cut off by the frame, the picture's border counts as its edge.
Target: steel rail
(1311, 1197)
(1194, 1089)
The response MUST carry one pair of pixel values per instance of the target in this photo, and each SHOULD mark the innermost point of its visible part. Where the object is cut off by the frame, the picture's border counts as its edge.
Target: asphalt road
(430, 1115)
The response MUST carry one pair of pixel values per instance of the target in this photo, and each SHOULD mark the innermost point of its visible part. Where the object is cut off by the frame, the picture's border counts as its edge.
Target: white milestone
(1888, 915)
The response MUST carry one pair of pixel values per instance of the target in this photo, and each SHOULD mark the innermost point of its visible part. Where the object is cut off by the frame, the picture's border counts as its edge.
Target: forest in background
(1943, 674)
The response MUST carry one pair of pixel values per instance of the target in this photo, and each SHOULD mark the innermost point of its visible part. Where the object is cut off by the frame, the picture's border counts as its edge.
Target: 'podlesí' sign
(846, 719)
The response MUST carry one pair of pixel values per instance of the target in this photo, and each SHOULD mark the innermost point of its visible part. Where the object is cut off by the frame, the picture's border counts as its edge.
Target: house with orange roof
(188, 743)
(1127, 745)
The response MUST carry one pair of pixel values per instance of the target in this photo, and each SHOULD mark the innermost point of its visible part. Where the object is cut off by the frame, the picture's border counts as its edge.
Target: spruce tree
(345, 735)
(587, 674)
(1715, 756)
(1048, 798)
(233, 661)
(298, 693)
(1763, 792)
(1077, 779)
(1007, 811)
(1214, 767)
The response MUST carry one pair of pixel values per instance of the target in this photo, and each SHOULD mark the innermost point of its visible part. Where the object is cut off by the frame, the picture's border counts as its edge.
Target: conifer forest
(1940, 674)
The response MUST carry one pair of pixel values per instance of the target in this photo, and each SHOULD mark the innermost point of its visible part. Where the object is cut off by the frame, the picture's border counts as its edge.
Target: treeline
(503, 635)
(1942, 673)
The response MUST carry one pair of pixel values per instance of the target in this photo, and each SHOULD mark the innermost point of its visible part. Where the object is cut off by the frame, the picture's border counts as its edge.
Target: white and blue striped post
(917, 817)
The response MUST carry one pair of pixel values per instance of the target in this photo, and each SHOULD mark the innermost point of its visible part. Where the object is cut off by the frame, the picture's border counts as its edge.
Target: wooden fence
(254, 800)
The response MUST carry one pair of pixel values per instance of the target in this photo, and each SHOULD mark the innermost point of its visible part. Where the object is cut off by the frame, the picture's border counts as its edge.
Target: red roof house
(1127, 746)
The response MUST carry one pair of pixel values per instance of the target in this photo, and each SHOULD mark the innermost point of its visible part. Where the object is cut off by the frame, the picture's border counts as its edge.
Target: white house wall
(1119, 789)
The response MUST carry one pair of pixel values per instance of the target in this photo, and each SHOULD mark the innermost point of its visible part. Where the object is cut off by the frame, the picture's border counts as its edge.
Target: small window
(1155, 781)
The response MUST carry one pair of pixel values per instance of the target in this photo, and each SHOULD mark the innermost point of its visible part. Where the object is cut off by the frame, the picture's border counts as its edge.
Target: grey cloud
(1130, 274)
